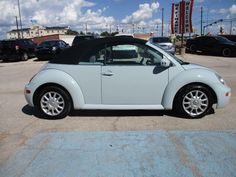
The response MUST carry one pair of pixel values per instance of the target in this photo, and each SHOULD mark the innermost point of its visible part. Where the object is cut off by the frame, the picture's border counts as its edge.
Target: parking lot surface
(114, 143)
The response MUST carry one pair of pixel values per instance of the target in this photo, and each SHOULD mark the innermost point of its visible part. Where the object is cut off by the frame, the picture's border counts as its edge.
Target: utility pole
(162, 23)
(20, 18)
(117, 28)
(18, 34)
(133, 27)
(86, 28)
(231, 24)
(201, 19)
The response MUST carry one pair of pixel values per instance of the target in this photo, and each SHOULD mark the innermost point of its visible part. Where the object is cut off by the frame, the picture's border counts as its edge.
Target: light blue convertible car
(122, 73)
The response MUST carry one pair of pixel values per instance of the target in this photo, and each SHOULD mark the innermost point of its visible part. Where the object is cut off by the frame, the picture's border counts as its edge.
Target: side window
(59, 44)
(132, 54)
(31, 43)
(62, 44)
(210, 41)
(95, 58)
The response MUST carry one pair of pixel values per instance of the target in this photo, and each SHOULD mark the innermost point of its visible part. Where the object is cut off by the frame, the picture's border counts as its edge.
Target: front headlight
(220, 79)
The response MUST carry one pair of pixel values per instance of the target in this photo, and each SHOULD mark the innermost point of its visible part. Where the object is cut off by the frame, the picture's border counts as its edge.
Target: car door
(31, 47)
(87, 73)
(132, 75)
(209, 45)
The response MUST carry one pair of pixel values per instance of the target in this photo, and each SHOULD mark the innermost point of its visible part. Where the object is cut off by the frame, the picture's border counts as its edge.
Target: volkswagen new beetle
(121, 73)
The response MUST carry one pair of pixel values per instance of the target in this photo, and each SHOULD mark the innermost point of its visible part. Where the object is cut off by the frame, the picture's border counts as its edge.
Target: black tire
(57, 105)
(193, 48)
(193, 101)
(24, 56)
(226, 52)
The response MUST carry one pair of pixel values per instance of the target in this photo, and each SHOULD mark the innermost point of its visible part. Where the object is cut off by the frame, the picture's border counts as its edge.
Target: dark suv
(16, 49)
(78, 39)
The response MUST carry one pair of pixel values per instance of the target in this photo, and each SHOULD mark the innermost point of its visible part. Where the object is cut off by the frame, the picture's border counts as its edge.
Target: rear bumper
(28, 92)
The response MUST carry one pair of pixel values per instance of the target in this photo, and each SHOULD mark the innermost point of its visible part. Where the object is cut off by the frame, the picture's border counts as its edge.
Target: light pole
(162, 23)
(18, 34)
(20, 18)
(201, 20)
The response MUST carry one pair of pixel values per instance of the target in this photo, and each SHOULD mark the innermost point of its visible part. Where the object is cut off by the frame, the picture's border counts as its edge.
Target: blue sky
(101, 14)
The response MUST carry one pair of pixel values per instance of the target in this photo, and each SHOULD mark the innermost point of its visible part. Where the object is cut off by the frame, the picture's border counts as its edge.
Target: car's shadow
(110, 113)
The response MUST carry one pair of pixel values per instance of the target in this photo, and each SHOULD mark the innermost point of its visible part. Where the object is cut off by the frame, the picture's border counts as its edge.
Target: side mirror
(165, 62)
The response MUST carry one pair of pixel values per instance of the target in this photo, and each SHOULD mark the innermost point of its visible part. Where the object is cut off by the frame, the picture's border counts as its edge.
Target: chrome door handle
(108, 73)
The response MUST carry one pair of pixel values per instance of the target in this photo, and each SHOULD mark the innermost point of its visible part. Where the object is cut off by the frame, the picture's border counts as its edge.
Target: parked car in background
(49, 48)
(118, 73)
(230, 37)
(80, 38)
(164, 42)
(215, 45)
(124, 35)
(17, 49)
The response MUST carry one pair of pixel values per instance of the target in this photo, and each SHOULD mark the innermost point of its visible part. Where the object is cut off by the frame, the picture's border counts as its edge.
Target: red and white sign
(181, 17)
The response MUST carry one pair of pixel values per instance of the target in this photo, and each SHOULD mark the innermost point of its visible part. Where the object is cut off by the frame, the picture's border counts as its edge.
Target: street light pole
(18, 34)
(231, 24)
(162, 23)
(201, 19)
(20, 18)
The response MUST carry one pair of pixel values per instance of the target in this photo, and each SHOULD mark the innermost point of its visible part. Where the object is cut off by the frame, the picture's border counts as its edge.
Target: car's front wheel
(193, 48)
(226, 52)
(53, 103)
(193, 101)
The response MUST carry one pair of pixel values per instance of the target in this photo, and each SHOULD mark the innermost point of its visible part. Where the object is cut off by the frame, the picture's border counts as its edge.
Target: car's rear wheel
(226, 52)
(24, 56)
(53, 103)
(192, 48)
(193, 101)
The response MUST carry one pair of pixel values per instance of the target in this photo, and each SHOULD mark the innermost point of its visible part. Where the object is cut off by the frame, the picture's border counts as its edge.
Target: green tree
(71, 32)
(105, 34)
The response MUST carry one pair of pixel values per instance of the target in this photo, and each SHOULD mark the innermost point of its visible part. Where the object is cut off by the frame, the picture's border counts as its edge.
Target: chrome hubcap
(195, 102)
(52, 103)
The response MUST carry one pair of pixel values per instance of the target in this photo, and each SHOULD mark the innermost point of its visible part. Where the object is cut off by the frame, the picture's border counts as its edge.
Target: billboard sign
(181, 17)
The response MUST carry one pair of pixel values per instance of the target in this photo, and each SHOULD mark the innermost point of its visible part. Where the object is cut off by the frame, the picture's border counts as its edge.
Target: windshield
(179, 60)
(48, 43)
(222, 39)
(173, 56)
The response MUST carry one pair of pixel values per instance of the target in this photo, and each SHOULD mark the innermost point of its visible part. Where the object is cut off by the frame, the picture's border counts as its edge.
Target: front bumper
(223, 93)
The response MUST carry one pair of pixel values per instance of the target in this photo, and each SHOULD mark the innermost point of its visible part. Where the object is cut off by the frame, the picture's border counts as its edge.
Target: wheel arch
(41, 87)
(53, 77)
(199, 84)
(199, 76)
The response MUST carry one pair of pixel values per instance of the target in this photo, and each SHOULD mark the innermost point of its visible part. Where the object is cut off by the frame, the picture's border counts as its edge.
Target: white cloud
(219, 11)
(144, 12)
(95, 20)
(232, 9)
(73, 13)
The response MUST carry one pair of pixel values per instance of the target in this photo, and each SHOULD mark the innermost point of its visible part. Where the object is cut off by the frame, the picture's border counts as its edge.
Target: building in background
(67, 38)
(37, 31)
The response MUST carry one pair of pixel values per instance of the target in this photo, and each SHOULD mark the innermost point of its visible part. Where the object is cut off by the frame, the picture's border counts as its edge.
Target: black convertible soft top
(74, 54)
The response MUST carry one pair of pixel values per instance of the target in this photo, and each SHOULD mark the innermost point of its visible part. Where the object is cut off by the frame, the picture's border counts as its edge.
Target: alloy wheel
(195, 103)
(52, 103)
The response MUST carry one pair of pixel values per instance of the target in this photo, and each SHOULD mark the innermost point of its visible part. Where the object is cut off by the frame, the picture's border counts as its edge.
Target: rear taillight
(17, 47)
